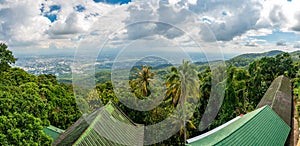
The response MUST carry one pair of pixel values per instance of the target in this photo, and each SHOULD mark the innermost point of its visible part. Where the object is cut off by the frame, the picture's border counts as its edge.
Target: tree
(6, 58)
(47, 79)
(173, 86)
(205, 78)
(189, 125)
(22, 129)
(63, 110)
(29, 103)
(183, 83)
(142, 81)
(265, 70)
(230, 100)
(16, 77)
(284, 65)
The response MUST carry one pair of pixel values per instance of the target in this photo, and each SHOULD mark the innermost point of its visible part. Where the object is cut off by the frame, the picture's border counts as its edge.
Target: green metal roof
(260, 127)
(106, 126)
(53, 132)
(72, 133)
(112, 127)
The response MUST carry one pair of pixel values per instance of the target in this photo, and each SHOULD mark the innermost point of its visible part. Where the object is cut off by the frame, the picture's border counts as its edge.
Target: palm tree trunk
(184, 125)
(183, 113)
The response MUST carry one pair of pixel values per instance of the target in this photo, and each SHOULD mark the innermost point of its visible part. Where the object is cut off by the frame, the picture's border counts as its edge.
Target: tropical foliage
(29, 103)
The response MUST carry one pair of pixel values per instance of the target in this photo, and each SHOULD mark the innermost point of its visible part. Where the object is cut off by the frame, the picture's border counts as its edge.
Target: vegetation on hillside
(29, 103)
(245, 86)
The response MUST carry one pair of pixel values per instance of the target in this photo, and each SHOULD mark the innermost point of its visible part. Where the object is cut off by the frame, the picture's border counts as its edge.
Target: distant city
(59, 65)
(45, 64)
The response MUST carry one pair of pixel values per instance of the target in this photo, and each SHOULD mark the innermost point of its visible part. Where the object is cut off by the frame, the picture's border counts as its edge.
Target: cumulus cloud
(251, 44)
(281, 43)
(135, 27)
(297, 45)
(230, 18)
(21, 22)
(277, 16)
(69, 26)
(226, 19)
(296, 27)
(158, 20)
(280, 15)
(63, 24)
(39, 23)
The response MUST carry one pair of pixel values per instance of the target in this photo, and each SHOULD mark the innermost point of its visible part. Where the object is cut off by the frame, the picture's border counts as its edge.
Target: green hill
(244, 59)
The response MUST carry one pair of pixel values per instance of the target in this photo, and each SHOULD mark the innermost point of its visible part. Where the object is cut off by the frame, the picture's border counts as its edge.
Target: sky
(56, 26)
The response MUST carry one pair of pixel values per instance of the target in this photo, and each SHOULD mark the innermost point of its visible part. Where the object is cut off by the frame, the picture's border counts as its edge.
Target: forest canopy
(28, 103)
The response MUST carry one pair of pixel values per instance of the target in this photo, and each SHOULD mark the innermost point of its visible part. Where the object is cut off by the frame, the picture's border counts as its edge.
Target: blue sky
(113, 1)
(239, 27)
(289, 37)
(79, 8)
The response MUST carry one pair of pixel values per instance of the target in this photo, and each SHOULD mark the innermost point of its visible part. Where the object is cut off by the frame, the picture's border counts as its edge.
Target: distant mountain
(245, 59)
(259, 55)
(295, 55)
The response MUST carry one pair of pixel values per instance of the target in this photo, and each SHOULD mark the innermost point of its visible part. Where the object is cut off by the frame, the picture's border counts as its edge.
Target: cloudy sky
(33, 26)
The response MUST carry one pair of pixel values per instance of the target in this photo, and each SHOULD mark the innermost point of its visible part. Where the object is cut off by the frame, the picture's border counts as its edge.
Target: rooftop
(279, 98)
(53, 132)
(259, 127)
(106, 126)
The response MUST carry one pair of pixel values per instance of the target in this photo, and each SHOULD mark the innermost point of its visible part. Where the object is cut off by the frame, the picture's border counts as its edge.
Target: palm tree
(142, 81)
(189, 124)
(173, 85)
(181, 84)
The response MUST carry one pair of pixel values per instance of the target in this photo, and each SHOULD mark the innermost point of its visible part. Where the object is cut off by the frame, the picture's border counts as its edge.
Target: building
(279, 98)
(53, 131)
(259, 127)
(269, 124)
(106, 126)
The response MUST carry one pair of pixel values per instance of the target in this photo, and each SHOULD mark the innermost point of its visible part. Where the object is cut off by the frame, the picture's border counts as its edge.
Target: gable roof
(279, 98)
(100, 127)
(259, 127)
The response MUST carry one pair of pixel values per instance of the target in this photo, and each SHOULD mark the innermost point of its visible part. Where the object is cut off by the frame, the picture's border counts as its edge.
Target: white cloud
(230, 18)
(280, 15)
(258, 32)
(277, 16)
(297, 45)
(251, 44)
(22, 24)
(70, 26)
(281, 43)
(296, 26)
(151, 19)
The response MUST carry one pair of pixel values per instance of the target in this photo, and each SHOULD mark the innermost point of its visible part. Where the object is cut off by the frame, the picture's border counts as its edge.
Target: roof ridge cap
(280, 78)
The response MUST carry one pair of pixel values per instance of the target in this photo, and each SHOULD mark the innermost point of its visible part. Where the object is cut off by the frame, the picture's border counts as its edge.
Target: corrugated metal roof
(74, 131)
(112, 124)
(212, 131)
(260, 127)
(107, 126)
(53, 131)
